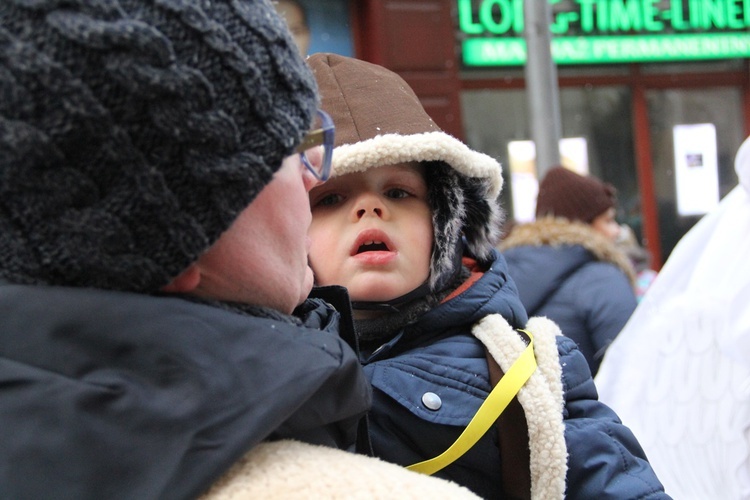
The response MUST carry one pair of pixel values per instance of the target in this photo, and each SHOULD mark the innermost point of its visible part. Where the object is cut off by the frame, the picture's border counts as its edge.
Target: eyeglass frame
(321, 136)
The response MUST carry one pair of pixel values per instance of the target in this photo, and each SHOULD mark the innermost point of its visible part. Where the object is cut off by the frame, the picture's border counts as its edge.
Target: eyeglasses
(324, 136)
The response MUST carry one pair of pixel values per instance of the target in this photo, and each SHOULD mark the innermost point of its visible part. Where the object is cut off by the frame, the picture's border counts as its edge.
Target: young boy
(408, 224)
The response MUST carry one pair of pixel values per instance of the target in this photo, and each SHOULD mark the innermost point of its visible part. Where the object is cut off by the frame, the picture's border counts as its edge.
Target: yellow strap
(488, 413)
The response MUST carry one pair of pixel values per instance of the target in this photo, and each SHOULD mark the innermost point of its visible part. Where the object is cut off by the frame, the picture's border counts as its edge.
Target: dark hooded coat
(574, 276)
(87, 374)
(438, 355)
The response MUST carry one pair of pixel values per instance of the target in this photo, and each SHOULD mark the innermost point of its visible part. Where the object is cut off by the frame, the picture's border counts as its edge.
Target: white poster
(696, 168)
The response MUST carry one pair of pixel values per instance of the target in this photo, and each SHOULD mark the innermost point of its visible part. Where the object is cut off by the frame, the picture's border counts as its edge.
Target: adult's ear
(185, 282)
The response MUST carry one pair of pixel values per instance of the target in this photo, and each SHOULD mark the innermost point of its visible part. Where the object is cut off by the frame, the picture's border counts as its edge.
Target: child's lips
(373, 247)
(379, 258)
(372, 241)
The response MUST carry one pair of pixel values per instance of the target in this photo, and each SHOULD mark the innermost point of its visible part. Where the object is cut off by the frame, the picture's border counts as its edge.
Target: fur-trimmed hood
(557, 232)
(380, 121)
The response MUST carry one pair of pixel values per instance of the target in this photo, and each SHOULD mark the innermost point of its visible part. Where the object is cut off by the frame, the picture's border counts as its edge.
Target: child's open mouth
(373, 246)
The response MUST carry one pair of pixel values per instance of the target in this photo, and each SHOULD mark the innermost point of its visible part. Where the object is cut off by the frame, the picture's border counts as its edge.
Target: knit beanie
(564, 193)
(380, 121)
(133, 132)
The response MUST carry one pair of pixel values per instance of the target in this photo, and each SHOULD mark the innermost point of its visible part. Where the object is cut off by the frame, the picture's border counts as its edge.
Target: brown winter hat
(380, 121)
(564, 193)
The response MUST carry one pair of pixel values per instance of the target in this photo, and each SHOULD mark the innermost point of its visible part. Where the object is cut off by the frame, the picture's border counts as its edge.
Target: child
(408, 223)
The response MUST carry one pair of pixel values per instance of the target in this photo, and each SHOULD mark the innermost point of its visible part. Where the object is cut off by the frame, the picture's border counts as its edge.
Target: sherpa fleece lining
(391, 149)
(541, 398)
(290, 469)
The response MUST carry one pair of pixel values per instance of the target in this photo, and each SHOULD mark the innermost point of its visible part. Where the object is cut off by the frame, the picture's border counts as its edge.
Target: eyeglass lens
(322, 134)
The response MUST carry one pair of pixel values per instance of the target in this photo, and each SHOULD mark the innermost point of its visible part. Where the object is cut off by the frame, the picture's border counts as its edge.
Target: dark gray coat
(118, 395)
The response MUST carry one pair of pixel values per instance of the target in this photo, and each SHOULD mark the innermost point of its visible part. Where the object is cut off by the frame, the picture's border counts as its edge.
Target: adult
(153, 249)
(566, 263)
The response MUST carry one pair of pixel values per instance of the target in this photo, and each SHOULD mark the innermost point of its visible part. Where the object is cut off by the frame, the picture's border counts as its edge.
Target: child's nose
(368, 204)
(362, 211)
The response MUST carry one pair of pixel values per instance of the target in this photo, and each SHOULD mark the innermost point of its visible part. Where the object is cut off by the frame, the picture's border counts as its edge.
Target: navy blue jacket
(577, 280)
(118, 395)
(438, 355)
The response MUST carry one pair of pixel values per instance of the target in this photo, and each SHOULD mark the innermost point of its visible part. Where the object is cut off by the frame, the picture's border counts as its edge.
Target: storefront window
(492, 119)
(721, 109)
(599, 115)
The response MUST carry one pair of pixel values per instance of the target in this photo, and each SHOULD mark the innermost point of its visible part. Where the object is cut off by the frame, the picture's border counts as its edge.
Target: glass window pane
(721, 107)
(600, 115)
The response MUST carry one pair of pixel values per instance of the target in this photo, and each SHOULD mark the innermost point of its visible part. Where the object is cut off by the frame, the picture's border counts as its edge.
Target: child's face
(372, 232)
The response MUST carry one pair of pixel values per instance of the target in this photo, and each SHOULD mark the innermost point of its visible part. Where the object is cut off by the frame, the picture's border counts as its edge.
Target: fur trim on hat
(391, 149)
(559, 231)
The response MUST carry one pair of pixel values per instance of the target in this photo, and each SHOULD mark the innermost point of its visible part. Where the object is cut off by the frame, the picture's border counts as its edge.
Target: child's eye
(327, 200)
(397, 193)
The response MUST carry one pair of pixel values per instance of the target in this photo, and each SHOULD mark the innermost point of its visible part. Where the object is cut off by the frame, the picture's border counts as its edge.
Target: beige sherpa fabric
(558, 231)
(392, 149)
(294, 470)
(541, 398)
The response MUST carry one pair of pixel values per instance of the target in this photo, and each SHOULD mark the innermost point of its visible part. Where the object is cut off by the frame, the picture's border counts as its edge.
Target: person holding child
(157, 340)
(408, 223)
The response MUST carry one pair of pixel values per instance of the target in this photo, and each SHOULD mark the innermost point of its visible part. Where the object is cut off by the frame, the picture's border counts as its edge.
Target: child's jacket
(430, 380)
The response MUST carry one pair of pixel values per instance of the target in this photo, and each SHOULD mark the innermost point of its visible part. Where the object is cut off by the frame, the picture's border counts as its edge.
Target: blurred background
(654, 97)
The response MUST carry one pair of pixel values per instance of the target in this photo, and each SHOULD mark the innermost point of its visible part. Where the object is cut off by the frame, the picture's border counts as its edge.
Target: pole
(542, 91)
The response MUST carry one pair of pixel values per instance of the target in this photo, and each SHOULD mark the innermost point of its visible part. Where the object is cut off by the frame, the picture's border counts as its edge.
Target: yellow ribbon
(498, 399)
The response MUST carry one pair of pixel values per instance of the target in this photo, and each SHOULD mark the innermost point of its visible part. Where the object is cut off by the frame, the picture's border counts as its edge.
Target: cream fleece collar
(541, 398)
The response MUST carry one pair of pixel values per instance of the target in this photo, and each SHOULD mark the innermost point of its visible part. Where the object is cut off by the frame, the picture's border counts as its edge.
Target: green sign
(609, 31)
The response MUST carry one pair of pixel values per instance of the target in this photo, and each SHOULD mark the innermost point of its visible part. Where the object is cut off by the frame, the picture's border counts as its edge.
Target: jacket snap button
(432, 401)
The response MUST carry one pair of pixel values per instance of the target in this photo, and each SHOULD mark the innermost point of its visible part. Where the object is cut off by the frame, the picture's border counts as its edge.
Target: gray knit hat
(380, 121)
(133, 132)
